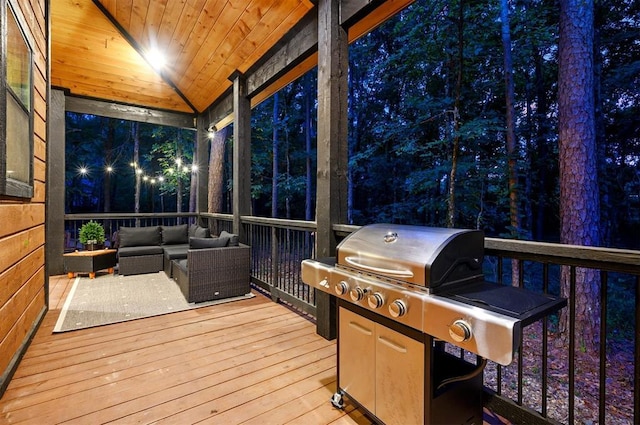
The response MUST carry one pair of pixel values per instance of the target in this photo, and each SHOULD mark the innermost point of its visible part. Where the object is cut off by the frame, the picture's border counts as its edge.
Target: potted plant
(92, 235)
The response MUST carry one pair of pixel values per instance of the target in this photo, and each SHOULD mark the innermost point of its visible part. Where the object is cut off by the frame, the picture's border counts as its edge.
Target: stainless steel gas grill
(402, 292)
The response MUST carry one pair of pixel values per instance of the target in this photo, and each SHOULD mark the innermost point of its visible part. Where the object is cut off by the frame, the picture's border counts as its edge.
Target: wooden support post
(241, 153)
(331, 197)
(55, 233)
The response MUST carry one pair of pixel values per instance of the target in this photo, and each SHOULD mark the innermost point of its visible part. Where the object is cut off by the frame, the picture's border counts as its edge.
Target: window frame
(22, 187)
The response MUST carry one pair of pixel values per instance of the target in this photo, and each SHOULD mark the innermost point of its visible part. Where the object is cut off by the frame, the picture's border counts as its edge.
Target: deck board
(251, 362)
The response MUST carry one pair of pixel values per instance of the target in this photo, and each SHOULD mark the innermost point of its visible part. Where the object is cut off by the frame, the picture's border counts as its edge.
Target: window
(16, 106)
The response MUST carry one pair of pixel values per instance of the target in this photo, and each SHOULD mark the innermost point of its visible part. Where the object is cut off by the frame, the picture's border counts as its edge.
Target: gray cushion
(181, 264)
(234, 240)
(198, 231)
(134, 251)
(172, 235)
(139, 236)
(173, 252)
(199, 243)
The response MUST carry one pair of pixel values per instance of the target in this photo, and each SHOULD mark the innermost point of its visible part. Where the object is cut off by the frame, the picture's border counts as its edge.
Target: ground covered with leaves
(618, 383)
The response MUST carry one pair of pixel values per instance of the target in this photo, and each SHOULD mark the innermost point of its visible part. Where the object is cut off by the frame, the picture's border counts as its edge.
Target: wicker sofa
(151, 249)
(214, 269)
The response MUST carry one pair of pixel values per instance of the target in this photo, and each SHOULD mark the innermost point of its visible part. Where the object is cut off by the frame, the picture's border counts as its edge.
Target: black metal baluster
(545, 342)
(572, 342)
(636, 358)
(603, 346)
(499, 367)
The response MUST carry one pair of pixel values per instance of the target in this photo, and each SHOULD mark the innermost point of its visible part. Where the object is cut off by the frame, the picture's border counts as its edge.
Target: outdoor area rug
(113, 298)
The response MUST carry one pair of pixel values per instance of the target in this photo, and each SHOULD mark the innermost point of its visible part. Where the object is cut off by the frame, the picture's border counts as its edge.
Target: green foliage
(171, 156)
(405, 112)
(91, 232)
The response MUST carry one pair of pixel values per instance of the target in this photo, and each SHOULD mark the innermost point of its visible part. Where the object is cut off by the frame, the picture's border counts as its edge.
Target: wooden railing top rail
(611, 259)
(280, 222)
(621, 260)
(120, 216)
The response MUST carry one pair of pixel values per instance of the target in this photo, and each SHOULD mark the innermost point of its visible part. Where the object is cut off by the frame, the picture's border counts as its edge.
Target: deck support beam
(331, 195)
(55, 234)
(241, 153)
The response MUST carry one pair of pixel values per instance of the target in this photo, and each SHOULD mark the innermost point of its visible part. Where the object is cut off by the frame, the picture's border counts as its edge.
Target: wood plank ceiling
(97, 47)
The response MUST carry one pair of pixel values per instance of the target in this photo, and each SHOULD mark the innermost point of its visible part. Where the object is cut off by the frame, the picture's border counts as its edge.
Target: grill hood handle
(354, 261)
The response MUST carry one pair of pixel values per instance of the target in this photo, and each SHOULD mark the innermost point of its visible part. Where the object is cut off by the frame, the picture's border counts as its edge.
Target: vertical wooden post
(55, 184)
(331, 195)
(241, 153)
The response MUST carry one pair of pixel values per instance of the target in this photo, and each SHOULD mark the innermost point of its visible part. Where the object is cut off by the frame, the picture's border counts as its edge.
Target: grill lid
(426, 256)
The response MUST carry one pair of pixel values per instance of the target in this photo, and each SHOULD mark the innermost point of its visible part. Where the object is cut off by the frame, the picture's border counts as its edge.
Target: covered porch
(219, 366)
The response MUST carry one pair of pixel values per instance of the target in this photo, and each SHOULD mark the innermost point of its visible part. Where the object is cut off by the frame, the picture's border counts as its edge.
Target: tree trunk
(136, 164)
(542, 148)
(179, 175)
(308, 207)
(193, 181)
(108, 161)
(511, 125)
(579, 202)
(451, 204)
(216, 171)
(514, 215)
(275, 175)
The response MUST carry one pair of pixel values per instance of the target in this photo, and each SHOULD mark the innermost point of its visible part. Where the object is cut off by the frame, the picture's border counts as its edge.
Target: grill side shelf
(521, 304)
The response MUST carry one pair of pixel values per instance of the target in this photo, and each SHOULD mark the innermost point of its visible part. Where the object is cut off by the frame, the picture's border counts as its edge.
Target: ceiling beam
(128, 112)
(296, 54)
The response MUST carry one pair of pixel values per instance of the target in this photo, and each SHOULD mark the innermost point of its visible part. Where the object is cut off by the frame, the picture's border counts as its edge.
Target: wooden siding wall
(22, 230)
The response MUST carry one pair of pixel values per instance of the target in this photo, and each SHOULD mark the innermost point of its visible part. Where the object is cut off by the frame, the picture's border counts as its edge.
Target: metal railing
(567, 381)
(277, 248)
(553, 379)
(113, 221)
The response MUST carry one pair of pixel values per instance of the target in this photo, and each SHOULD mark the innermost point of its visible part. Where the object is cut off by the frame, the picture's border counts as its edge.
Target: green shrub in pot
(91, 235)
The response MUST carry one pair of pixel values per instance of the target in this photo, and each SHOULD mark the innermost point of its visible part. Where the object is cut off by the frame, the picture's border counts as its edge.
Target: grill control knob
(342, 288)
(357, 293)
(460, 331)
(375, 300)
(397, 308)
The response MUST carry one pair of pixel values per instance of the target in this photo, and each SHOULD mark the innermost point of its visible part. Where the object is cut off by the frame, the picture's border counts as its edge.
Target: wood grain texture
(91, 58)
(204, 41)
(250, 362)
(99, 55)
(22, 278)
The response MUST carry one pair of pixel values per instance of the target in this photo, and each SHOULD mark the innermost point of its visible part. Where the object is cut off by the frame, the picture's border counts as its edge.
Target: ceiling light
(156, 58)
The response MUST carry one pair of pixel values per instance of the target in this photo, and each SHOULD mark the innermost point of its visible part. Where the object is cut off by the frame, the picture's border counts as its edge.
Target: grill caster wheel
(337, 401)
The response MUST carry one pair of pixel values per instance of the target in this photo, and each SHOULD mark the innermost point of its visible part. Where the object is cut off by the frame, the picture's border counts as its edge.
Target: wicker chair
(214, 273)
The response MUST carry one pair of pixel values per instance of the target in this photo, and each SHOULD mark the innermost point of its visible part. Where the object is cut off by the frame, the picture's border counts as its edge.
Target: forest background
(428, 131)
(458, 116)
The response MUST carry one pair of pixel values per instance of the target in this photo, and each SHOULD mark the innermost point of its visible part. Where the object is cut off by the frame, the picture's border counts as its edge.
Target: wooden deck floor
(249, 362)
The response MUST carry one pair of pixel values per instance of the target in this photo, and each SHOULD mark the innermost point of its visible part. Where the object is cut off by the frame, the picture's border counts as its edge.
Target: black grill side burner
(402, 292)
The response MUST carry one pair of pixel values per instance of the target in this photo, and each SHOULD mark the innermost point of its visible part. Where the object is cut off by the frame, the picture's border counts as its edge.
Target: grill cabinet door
(381, 369)
(356, 358)
(399, 378)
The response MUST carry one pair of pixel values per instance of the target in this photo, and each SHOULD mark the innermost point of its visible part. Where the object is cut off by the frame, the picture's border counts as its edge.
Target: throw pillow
(200, 243)
(234, 240)
(139, 236)
(172, 235)
(198, 231)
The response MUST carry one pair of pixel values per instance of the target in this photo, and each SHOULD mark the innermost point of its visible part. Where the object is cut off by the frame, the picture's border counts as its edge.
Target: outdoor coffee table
(89, 262)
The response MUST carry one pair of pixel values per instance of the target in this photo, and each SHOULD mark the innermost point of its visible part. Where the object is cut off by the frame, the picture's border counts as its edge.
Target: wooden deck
(249, 362)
